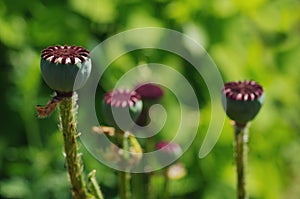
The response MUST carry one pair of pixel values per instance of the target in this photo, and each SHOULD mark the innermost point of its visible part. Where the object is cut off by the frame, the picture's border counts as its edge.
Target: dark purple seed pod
(149, 91)
(150, 94)
(61, 65)
(115, 107)
(242, 100)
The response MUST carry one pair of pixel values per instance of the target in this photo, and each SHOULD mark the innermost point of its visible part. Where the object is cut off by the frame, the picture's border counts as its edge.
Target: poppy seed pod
(149, 91)
(242, 100)
(115, 107)
(150, 94)
(62, 65)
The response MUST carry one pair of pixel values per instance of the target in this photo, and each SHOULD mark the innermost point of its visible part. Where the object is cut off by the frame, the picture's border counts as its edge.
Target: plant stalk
(139, 186)
(241, 150)
(124, 185)
(166, 184)
(93, 185)
(124, 176)
(73, 159)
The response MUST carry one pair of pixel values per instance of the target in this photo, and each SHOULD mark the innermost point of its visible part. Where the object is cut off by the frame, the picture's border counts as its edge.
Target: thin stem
(241, 141)
(124, 185)
(166, 184)
(142, 181)
(93, 185)
(139, 181)
(124, 176)
(139, 186)
(73, 159)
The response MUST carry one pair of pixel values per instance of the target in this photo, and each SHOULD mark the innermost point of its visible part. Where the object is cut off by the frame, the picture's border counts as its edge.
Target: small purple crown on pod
(122, 98)
(119, 102)
(243, 90)
(65, 54)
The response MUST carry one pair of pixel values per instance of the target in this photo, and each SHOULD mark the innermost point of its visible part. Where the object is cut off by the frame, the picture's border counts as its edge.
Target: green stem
(241, 140)
(166, 184)
(124, 176)
(140, 184)
(93, 185)
(124, 185)
(139, 181)
(73, 159)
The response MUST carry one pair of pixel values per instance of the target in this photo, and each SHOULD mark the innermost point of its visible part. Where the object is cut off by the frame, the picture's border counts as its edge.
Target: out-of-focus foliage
(256, 39)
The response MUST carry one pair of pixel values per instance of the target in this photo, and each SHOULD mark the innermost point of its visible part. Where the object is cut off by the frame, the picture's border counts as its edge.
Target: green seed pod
(115, 107)
(242, 100)
(61, 65)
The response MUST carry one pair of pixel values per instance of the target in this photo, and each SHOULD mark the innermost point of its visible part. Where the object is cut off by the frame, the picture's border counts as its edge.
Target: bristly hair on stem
(67, 110)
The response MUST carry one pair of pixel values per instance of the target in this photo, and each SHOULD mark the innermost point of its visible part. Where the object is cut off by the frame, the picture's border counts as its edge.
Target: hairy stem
(73, 159)
(93, 185)
(241, 149)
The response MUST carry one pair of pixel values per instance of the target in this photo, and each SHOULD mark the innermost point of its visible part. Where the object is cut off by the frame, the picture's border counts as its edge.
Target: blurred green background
(257, 39)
